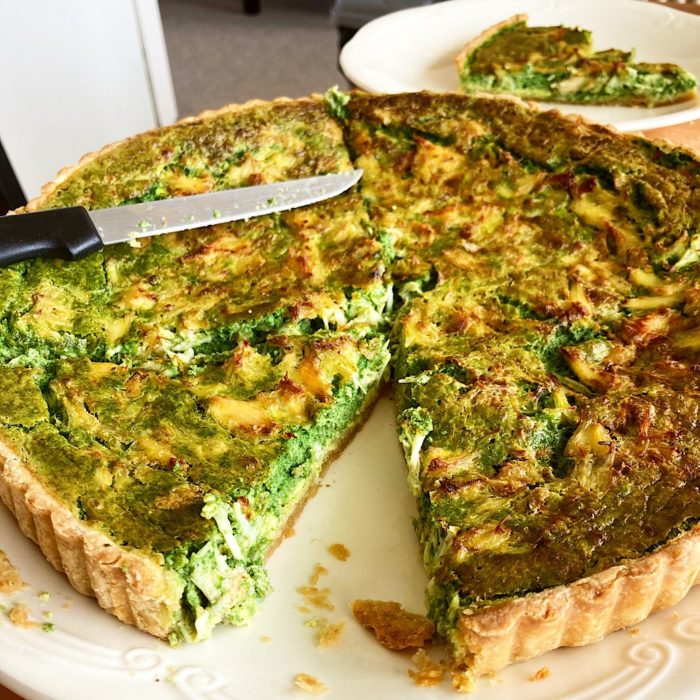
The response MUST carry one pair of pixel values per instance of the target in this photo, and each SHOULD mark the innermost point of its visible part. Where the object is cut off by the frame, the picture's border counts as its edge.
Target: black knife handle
(51, 233)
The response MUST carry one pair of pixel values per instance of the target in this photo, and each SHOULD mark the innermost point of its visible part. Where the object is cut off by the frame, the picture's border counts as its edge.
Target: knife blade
(74, 232)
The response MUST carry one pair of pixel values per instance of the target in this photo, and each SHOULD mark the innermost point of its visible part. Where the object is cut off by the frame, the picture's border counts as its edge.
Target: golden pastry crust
(131, 586)
(50, 187)
(485, 36)
(581, 612)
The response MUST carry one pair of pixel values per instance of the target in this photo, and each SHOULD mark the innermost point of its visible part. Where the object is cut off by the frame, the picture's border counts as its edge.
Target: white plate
(415, 49)
(366, 506)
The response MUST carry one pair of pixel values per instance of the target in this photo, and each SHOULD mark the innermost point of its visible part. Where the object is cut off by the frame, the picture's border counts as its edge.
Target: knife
(74, 232)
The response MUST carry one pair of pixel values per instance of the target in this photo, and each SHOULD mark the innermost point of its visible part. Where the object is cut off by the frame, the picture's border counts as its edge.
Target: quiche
(530, 279)
(559, 64)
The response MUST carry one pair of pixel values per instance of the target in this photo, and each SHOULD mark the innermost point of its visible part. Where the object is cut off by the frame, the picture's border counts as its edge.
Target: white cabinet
(76, 75)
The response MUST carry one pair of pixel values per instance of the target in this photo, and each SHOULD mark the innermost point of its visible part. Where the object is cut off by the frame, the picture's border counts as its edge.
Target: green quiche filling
(179, 299)
(535, 278)
(559, 64)
(204, 470)
(182, 396)
(546, 356)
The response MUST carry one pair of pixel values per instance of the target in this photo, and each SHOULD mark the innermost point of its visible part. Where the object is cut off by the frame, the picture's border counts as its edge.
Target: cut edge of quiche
(607, 79)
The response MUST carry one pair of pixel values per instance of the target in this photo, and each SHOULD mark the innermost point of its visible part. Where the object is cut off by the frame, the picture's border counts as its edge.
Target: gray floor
(218, 55)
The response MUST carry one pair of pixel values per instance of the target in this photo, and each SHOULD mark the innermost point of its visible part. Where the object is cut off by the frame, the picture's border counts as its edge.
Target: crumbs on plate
(426, 672)
(329, 633)
(19, 616)
(540, 674)
(10, 578)
(463, 682)
(394, 627)
(310, 684)
(314, 596)
(316, 574)
(339, 551)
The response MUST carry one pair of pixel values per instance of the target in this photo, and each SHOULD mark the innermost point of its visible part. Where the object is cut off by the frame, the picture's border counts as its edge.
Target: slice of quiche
(162, 496)
(559, 64)
(167, 408)
(546, 365)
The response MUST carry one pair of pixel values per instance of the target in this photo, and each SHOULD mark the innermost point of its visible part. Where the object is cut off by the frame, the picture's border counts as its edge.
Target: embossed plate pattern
(368, 508)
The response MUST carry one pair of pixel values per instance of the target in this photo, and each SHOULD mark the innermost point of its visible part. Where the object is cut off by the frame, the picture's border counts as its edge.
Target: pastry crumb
(634, 631)
(310, 684)
(264, 638)
(339, 551)
(427, 671)
(540, 674)
(44, 596)
(329, 633)
(316, 574)
(463, 682)
(19, 616)
(317, 597)
(10, 578)
(394, 627)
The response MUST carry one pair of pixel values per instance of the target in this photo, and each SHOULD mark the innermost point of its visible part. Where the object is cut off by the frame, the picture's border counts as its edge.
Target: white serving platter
(414, 49)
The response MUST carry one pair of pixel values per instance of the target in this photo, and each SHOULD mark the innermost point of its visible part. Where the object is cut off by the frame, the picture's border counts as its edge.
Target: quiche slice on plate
(166, 409)
(559, 64)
